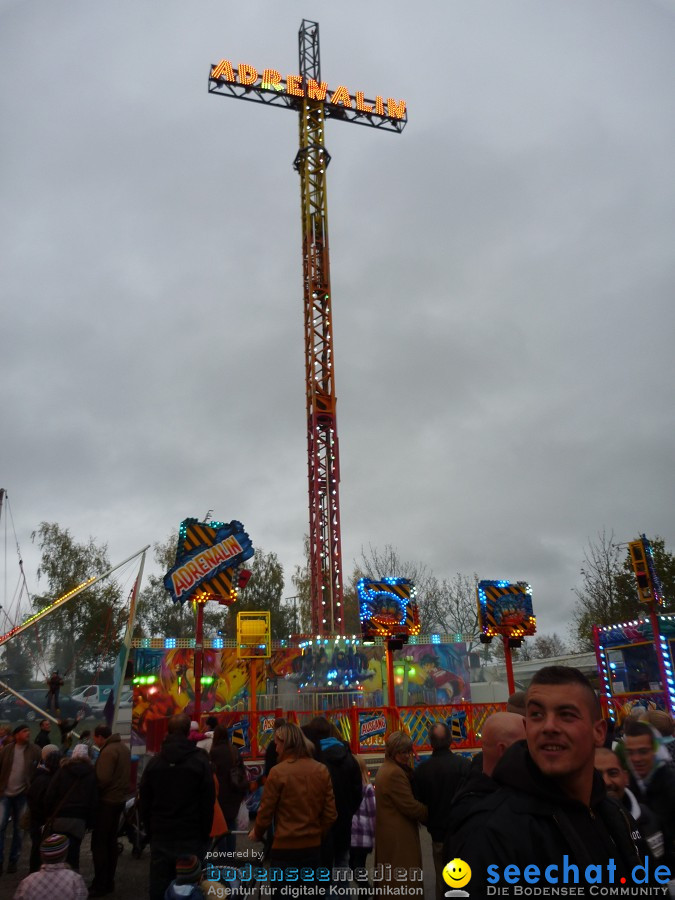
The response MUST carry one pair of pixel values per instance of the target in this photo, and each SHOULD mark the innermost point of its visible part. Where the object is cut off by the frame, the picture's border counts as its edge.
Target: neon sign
(292, 86)
(388, 607)
(207, 555)
(505, 608)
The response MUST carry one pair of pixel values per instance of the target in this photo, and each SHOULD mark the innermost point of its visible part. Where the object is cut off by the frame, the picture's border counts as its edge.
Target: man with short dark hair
(177, 795)
(516, 703)
(113, 773)
(551, 812)
(43, 737)
(652, 780)
(18, 762)
(435, 783)
(616, 778)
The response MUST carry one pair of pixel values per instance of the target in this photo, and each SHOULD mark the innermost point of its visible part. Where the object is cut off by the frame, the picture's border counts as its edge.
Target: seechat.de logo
(456, 874)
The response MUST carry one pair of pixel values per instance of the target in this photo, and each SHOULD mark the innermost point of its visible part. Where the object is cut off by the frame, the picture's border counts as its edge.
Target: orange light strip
(271, 79)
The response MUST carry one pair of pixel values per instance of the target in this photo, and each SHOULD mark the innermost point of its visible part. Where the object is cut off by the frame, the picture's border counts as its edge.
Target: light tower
(308, 95)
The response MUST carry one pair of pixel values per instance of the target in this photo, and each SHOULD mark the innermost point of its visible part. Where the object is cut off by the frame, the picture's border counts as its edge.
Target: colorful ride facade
(632, 664)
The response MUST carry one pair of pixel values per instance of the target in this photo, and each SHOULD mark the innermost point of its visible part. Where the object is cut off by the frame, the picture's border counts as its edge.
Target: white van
(95, 695)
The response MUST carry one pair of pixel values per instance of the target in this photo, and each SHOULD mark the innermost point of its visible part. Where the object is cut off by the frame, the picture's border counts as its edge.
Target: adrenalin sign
(208, 553)
(292, 86)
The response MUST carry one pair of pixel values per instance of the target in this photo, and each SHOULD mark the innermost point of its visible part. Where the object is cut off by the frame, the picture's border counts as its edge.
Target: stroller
(131, 828)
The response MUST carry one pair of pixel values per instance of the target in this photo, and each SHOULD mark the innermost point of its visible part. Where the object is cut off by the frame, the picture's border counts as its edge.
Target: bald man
(501, 730)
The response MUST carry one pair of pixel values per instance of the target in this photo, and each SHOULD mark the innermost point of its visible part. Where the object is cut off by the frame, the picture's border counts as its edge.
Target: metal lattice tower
(325, 549)
(308, 95)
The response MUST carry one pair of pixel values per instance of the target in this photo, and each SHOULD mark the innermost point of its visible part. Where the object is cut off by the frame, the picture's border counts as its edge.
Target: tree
(264, 591)
(664, 565)
(377, 564)
(85, 634)
(16, 664)
(450, 607)
(608, 594)
(546, 646)
(157, 615)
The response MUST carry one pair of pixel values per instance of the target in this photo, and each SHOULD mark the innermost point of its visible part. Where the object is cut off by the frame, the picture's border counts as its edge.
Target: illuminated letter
(247, 74)
(360, 105)
(193, 569)
(395, 110)
(294, 85)
(316, 91)
(203, 563)
(181, 582)
(271, 79)
(223, 69)
(379, 105)
(341, 95)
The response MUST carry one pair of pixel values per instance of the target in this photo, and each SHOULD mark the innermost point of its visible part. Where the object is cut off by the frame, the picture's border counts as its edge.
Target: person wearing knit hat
(54, 848)
(80, 751)
(55, 878)
(186, 883)
(195, 733)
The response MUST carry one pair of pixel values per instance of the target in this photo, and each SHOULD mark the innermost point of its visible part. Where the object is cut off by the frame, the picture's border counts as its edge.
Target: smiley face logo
(457, 873)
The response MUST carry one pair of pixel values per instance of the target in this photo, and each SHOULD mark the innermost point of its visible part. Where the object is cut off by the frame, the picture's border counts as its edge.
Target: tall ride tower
(307, 94)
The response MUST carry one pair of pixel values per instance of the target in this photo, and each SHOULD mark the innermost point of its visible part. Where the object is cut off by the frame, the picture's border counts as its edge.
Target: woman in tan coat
(397, 813)
(298, 797)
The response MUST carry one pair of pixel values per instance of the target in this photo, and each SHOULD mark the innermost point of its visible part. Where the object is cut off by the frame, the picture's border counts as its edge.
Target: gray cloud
(502, 279)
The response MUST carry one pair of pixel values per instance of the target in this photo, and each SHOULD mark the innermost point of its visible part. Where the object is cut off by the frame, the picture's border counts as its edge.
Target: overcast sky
(502, 278)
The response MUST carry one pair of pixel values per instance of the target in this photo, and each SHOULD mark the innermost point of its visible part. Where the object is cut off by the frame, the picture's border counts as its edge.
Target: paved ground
(132, 874)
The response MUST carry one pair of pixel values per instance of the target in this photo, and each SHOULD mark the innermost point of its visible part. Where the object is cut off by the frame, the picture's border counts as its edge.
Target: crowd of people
(550, 795)
(53, 791)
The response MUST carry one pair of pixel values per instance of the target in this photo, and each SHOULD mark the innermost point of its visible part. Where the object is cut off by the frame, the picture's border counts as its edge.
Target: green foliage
(264, 592)
(86, 632)
(16, 663)
(608, 594)
(157, 615)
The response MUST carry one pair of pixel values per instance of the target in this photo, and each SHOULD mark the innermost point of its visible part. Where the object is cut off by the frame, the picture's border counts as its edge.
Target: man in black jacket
(652, 781)
(345, 776)
(435, 783)
(43, 737)
(177, 796)
(550, 822)
(616, 779)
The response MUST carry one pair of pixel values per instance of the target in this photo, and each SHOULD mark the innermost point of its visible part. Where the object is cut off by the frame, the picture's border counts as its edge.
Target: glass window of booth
(634, 669)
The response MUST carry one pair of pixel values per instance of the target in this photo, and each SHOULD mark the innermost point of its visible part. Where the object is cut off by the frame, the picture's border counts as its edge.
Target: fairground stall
(635, 658)
(337, 677)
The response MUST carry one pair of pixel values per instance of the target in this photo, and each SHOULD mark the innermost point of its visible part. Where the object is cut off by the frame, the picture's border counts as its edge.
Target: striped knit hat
(188, 870)
(54, 848)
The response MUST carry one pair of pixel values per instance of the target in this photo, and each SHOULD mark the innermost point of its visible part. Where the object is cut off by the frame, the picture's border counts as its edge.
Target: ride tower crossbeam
(308, 95)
